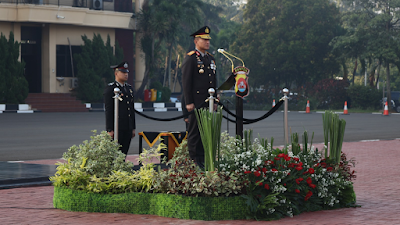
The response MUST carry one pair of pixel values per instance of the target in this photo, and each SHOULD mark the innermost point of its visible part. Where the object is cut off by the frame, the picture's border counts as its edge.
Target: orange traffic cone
(386, 110)
(345, 111)
(273, 103)
(308, 107)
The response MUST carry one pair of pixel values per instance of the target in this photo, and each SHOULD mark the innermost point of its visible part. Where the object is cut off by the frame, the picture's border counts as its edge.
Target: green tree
(163, 22)
(373, 30)
(93, 65)
(230, 10)
(14, 87)
(287, 42)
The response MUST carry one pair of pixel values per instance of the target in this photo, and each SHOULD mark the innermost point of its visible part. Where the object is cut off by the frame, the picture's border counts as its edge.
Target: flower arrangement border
(166, 205)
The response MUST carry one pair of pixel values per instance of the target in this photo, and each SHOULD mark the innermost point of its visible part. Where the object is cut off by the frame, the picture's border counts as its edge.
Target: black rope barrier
(245, 121)
(169, 119)
(250, 121)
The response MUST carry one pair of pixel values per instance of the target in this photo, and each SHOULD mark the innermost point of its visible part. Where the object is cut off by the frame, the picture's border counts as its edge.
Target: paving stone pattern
(377, 188)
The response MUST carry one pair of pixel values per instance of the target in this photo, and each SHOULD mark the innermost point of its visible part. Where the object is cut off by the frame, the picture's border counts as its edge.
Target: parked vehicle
(395, 102)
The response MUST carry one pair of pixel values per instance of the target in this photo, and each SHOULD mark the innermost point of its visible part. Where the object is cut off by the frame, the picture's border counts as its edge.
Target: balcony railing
(107, 5)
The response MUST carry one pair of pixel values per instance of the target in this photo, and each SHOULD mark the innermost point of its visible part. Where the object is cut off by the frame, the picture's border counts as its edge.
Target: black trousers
(124, 139)
(195, 146)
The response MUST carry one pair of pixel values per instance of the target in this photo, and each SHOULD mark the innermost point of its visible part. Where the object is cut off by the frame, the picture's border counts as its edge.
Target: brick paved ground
(377, 187)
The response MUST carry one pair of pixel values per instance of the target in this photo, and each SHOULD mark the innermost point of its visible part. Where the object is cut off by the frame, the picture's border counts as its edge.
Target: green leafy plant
(185, 178)
(98, 166)
(333, 134)
(210, 131)
(99, 156)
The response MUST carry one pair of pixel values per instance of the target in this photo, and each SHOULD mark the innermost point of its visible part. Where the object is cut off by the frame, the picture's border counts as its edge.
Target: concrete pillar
(49, 37)
(16, 29)
(140, 65)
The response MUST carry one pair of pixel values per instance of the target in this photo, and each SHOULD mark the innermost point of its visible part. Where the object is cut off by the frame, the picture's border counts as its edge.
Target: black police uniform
(184, 111)
(198, 75)
(126, 113)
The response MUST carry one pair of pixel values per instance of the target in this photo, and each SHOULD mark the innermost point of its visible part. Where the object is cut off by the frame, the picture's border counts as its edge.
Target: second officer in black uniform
(198, 74)
(126, 114)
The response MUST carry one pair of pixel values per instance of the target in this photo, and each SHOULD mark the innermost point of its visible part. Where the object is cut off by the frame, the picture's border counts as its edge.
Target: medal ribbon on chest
(200, 64)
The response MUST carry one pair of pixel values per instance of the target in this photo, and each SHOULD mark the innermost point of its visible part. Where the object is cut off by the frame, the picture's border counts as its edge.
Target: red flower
(264, 170)
(277, 159)
(296, 159)
(257, 174)
(259, 183)
(308, 180)
(247, 172)
(274, 170)
(284, 184)
(266, 186)
(308, 196)
(312, 186)
(311, 170)
(300, 164)
(299, 179)
(329, 169)
(281, 155)
(297, 191)
(299, 168)
(316, 165)
(287, 158)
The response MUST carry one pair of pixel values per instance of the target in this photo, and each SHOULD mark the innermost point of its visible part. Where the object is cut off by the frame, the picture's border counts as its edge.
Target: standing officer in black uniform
(198, 74)
(126, 113)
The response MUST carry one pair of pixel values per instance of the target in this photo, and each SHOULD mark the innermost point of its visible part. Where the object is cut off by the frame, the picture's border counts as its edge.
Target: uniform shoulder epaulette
(110, 84)
(209, 54)
(191, 53)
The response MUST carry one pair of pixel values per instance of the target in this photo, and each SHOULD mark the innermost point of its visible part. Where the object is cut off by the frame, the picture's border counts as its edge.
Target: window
(63, 60)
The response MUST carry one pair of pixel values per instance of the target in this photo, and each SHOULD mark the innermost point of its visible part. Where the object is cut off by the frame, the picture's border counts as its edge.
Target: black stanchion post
(285, 116)
(116, 98)
(239, 114)
(227, 115)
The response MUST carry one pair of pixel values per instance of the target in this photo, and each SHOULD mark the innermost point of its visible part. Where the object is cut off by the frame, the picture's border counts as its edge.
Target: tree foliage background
(288, 43)
(14, 87)
(165, 27)
(372, 31)
(93, 65)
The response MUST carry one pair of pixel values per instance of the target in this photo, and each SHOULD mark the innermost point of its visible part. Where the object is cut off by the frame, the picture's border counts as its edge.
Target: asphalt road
(48, 135)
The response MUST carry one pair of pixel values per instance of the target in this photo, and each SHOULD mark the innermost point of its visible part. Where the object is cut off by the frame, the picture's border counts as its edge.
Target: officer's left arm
(133, 115)
(215, 79)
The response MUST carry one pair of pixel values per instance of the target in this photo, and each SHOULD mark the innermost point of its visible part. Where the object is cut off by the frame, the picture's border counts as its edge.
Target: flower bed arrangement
(251, 180)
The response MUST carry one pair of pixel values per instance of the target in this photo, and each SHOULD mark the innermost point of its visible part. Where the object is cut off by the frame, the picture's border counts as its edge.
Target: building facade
(50, 33)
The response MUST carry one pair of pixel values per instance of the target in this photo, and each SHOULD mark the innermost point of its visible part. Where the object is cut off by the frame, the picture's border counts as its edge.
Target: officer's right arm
(187, 79)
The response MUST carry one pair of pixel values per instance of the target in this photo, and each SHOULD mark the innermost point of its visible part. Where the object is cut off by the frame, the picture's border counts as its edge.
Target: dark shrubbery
(93, 66)
(363, 97)
(330, 93)
(14, 87)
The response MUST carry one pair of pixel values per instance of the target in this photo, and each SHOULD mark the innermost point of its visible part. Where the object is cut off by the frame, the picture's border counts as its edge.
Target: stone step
(55, 102)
